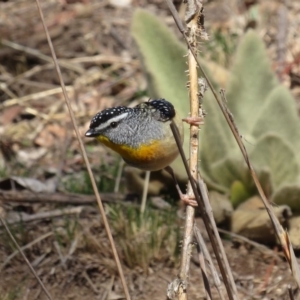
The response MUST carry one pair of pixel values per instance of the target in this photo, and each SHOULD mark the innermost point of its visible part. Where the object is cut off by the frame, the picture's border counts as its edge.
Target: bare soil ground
(101, 68)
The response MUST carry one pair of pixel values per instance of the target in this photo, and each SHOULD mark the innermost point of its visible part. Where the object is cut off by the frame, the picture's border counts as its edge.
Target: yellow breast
(153, 156)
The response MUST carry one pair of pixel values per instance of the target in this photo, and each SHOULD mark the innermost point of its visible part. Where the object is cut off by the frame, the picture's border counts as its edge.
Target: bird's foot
(188, 200)
(194, 120)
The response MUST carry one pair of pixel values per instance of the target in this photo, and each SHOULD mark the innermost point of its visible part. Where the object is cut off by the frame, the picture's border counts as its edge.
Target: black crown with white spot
(106, 114)
(166, 109)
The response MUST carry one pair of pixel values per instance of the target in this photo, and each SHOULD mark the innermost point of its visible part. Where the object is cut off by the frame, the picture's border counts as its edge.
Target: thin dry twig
(195, 26)
(119, 175)
(206, 220)
(259, 246)
(46, 214)
(280, 232)
(193, 30)
(62, 198)
(29, 245)
(34, 52)
(100, 58)
(26, 260)
(208, 209)
(101, 207)
(90, 282)
(201, 254)
(209, 261)
(60, 255)
(145, 191)
(35, 96)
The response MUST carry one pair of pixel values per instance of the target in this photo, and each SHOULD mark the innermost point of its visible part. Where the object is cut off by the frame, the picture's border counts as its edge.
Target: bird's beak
(91, 133)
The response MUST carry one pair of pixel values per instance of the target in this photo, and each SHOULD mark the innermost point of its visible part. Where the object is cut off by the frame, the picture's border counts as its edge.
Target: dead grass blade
(46, 215)
(34, 52)
(145, 191)
(208, 209)
(194, 142)
(26, 260)
(208, 225)
(101, 207)
(281, 234)
(29, 245)
(59, 198)
(35, 96)
(209, 261)
(195, 28)
(201, 255)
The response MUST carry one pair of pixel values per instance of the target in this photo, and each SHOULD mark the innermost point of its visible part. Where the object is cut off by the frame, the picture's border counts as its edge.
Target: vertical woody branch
(193, 17)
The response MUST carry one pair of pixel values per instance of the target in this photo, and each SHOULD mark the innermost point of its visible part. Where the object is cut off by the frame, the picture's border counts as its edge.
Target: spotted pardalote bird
(141, 135)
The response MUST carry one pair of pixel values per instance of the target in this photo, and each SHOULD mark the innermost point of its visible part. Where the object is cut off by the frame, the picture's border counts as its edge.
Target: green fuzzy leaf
(279, 115)
(272, 152)
(228, 170)
(216, 137)
(288, 195)
(165, 66)
(165, 63)
(261, 109)
(251, 81)
(163, 58)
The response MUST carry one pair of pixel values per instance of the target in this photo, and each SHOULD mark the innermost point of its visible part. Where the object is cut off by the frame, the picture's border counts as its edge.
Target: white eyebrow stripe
(114, 119)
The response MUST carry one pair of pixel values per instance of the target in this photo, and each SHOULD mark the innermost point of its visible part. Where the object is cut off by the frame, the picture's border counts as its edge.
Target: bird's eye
(113, 124)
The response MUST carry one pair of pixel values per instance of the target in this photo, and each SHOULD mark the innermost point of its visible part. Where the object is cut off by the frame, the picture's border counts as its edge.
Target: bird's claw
(188, 200)
(194, 120)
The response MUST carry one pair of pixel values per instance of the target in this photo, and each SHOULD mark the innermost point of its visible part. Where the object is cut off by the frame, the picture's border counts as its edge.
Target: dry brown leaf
(44, 139)
(252, 221)
(9, 114)
(31, 184)
(29, 157)
(57, 130)
(51, 133)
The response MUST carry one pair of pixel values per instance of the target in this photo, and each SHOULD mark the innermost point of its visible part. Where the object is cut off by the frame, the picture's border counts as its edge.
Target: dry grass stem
(59, 198)
(206, 220)
(90, 282)
(281, 234)
(209, 261)
(264, 249)
(119, 176)
(110, 59)
(202, 265)
(40, 55)
(192, 28)
(101, 208)
(46, 215)
(35, 96)
(209, 212)
(145, 191)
